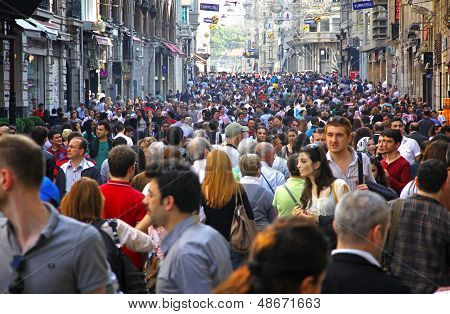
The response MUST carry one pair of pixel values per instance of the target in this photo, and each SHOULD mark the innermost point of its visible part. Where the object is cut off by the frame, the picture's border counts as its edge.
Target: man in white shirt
(198, 148)
(409, 148)
(120, 127)
(234, 133)
(270, 178)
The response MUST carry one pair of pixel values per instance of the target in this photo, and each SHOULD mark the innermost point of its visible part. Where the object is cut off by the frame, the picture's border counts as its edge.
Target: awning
(48, 28)
(173, 48)
(170, 47)
(29, 29)
(102, 40)
(199, 59)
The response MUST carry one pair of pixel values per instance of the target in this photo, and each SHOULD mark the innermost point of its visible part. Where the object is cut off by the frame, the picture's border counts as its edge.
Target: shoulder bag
(385, 192)
(388, 252)
(243, 229)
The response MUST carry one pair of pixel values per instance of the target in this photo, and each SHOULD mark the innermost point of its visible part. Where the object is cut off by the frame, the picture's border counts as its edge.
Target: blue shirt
(196, 259)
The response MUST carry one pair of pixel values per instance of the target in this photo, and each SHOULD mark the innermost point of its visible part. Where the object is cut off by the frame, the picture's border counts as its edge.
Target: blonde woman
(220, 194)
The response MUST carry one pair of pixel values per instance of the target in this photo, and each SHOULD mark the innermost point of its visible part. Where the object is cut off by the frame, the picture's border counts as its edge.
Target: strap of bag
(268, 183)
(290, 194)
(360, 169)
(113, 224)
(394, 224)
(333, 190)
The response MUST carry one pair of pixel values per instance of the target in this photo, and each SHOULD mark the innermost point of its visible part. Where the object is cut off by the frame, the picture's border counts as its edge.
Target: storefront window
(36, 82)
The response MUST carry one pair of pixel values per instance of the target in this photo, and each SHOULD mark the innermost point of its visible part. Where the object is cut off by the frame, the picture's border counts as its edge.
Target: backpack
(130, 279)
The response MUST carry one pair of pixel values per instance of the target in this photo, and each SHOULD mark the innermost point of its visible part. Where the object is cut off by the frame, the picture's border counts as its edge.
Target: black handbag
(375, 187)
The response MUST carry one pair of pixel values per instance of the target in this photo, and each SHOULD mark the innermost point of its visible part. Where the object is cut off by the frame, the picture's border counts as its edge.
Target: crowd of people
(344, 182)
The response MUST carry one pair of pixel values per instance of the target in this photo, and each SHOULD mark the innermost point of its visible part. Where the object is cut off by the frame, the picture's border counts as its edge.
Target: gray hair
(263, 149)
(357, 213)
(247, 146)
(200, 133)
(197, 146)
(249, 165)
(156, 151)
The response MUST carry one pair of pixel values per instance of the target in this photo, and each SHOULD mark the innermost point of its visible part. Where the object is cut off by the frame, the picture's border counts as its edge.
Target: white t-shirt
(409, 149)
(128, 139)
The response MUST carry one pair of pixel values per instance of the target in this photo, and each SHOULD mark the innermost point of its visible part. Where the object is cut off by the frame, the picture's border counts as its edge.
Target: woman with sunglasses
(322, 190)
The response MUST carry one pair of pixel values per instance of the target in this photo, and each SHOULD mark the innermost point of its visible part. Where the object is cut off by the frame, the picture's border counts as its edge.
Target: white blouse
(325, 206)
(132, 238)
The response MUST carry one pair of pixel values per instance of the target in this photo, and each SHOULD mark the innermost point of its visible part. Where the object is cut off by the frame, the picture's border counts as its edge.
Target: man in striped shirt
(343, 159)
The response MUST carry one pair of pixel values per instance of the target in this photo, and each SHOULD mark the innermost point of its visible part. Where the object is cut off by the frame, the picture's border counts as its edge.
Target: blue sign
(363, 5)
(208, 20)
(309, 21)
(209, 7)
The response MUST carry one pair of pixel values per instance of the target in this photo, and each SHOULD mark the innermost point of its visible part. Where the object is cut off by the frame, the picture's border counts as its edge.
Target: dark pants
(237, 258)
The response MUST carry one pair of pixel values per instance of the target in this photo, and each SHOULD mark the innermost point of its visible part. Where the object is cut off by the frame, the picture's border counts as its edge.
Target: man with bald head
(270, 178)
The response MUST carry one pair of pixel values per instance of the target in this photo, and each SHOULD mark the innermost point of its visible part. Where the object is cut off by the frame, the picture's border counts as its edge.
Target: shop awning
(51, 30)
(29, 29)
(173, 48)
(102, 40)
(199, 59)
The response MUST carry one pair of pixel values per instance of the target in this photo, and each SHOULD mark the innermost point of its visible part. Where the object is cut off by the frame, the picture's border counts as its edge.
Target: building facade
(313, 42)
(70, 49)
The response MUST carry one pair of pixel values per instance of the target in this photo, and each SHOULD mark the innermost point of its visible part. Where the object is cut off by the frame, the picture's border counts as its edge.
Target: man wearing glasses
(42, 251)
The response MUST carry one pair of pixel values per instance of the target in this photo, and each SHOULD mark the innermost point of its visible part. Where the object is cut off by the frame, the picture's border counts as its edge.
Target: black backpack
(131, 280)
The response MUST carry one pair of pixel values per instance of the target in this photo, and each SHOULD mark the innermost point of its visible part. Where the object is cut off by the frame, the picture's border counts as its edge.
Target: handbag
(151, 271)
(243, 229)
(375, 187)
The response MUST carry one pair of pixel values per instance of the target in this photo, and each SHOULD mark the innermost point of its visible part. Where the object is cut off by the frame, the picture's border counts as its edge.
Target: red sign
(397, 10)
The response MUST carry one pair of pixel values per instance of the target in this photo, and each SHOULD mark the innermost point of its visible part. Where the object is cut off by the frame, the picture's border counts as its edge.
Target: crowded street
(266, 181)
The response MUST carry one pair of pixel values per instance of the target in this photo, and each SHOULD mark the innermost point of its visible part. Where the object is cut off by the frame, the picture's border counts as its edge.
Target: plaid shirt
(421, 248)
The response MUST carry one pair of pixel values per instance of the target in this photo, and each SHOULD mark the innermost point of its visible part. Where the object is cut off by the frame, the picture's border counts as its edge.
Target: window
(325, 25)
(184, 15)
(313, 28)
(335, 24)
(270, 52)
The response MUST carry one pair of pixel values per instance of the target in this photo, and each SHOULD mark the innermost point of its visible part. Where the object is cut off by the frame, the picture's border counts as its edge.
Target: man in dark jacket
(102, 144)
(426, 123)
(39, 136)
(77, 166)
(415, 134)
(362, 220)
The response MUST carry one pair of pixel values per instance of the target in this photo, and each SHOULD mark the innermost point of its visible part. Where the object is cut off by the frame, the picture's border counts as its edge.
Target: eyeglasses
(18, 265)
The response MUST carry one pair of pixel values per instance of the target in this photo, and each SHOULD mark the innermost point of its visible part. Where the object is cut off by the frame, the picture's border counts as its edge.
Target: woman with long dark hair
(322, 190)
(142, 124)
(378, 171)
